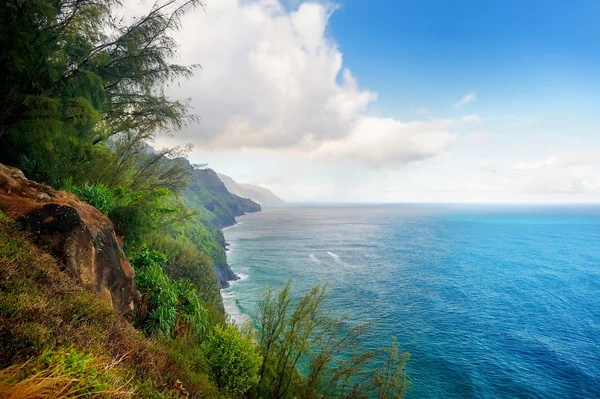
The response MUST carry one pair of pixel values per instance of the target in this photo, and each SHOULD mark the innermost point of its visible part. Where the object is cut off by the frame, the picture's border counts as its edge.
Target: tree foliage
(302, 335)
(76, 73)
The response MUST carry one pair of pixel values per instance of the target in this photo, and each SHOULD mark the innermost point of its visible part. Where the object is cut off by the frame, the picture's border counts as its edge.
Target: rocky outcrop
(225, 274)
(77, 234)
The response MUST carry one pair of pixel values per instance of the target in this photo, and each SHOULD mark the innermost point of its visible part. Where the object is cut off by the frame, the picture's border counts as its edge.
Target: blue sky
(543, 53)
(393, 101)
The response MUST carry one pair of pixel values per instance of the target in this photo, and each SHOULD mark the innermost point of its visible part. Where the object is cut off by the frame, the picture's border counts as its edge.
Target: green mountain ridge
(217, 208)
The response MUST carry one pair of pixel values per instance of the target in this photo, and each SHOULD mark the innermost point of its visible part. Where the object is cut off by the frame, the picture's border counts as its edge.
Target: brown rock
(78, 234)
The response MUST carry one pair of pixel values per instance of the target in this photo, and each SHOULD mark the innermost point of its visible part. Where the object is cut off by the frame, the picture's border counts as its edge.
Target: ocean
(490, 301)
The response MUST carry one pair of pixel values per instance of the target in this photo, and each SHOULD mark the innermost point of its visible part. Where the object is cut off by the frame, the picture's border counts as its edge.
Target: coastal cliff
(77, 234)
(217, 208)
(206, 187)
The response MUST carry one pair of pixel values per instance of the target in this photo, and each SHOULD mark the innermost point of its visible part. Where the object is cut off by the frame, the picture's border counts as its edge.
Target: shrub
(234, 358)
(97, 195)
(168, 308)
(136, 214)
(301, 334)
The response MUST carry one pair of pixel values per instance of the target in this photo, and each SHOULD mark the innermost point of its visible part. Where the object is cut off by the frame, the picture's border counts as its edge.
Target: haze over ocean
(491, 301)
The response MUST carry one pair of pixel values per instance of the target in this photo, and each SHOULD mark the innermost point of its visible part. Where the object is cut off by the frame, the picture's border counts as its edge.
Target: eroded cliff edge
(77, 234)
(207, 193)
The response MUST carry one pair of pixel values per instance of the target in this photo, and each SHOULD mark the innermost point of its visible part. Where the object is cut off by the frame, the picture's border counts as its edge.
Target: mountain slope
(216, 208)
(258, 194)
(207, 189)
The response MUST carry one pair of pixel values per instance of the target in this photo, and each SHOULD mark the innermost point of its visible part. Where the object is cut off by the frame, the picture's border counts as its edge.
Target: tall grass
(97, 195)
(63, 373)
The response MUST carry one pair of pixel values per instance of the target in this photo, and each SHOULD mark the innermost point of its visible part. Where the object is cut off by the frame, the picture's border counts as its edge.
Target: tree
(302, 334)
(75, 74)
(390, 380)
(234, 358)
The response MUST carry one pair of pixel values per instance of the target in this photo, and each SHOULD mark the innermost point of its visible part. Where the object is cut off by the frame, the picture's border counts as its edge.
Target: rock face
(76, 233)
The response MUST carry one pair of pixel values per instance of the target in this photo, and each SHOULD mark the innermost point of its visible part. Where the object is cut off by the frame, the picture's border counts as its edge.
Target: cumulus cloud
(273, 79)
(470, 97)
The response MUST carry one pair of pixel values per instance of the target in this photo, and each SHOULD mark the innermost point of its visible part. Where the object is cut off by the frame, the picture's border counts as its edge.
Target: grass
(64, 373)
(44, 314)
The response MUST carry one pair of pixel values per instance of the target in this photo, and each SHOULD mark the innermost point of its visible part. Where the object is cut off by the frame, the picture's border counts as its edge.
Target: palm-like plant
(168, 308)
(192, 315)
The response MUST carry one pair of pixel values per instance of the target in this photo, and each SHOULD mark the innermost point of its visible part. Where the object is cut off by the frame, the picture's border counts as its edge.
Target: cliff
(77, 234)
(217, 208)
(258, 194)
(206, 188)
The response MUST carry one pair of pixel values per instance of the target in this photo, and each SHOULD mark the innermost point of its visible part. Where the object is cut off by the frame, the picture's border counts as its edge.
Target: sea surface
(491, 301)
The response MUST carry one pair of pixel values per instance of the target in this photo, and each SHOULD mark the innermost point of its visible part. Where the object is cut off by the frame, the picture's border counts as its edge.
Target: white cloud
(479, 135)
(471, 119)
(470, 97)
(272, 79)
(576, 174)
(387, 142)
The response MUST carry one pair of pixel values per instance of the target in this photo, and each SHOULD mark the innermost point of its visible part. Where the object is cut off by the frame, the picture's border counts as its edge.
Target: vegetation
(76, 74)
(328, 350)
(62, 373)
(81, 98)
(168, 308)
(234, 358)
(43, 311)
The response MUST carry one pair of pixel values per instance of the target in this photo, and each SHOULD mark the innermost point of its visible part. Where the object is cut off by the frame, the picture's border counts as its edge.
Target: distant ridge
(258, 194)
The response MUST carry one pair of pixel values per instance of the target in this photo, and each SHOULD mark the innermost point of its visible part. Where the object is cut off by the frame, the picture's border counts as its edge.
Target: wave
(233, 311)
(314, 258)
(334, 256)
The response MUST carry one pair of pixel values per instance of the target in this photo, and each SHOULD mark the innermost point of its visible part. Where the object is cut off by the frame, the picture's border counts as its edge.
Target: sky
(397, 101)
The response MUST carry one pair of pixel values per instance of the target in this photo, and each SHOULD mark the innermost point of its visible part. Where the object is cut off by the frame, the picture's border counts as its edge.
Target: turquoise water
(491, 302)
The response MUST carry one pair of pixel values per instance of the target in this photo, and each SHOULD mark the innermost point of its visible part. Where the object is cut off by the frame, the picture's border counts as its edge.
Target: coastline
(232, 311)
(225, 274)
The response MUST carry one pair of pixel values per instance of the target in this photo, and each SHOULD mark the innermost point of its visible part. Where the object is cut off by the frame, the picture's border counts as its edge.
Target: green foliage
(302, 334)
(185, 261)
(97, 195)
(138, 213)
(234, 358)
(390, 380)
(193, 368)
(169, 308)
(74, 74)
(44, 311)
